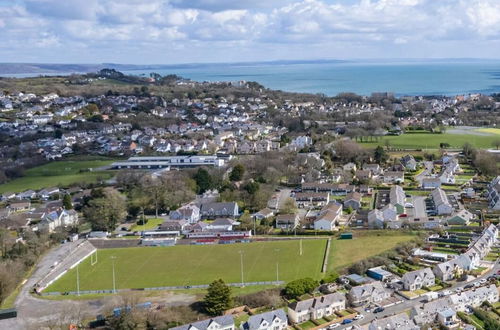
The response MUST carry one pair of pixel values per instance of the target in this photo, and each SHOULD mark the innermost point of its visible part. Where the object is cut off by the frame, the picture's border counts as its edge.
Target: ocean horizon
(434, 77)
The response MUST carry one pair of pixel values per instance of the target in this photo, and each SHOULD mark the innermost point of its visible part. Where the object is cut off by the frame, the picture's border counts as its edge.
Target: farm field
(346, 252)
(59, 173)
(432, 141)
(197, 264)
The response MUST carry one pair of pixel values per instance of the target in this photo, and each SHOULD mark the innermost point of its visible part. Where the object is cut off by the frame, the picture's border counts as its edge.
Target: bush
(300, 287)
(268, 298)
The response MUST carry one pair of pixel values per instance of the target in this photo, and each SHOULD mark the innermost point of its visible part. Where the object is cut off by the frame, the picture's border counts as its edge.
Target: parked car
(347, 321)
(333, 326)
(459, 289)
(482, 281)
(359, 317)
(379, 310)
(476, 284)
(469, 286)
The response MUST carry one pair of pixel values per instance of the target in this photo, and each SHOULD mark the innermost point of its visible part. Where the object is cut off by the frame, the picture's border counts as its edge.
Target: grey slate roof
(255, 321)
(223, 321)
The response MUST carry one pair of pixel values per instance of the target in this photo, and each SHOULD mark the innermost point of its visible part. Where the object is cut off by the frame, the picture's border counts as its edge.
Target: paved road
(429, 166)
(282, 197)
(408, 304)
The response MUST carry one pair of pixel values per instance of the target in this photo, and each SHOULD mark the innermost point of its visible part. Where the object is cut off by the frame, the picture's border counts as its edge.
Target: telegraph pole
(277, 266)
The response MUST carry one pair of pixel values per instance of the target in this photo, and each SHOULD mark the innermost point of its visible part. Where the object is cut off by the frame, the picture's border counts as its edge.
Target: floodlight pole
(277, 266)
(77, 280)
(113, 263)
(241, 264)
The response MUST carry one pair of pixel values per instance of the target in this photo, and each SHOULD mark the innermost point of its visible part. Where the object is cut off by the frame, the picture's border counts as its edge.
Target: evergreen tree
(67, 204)
(218, 298)
(203, 180)
(380, 155)
(237, 173)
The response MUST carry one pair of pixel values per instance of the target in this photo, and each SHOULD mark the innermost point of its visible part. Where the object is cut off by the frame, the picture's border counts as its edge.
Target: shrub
(299, 287)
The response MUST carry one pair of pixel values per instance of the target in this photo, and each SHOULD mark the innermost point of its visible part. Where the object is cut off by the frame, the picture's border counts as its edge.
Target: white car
(446, 293)
(459, 289)
(333, 326)
(359, 317)
(476, 284)
(482, 281)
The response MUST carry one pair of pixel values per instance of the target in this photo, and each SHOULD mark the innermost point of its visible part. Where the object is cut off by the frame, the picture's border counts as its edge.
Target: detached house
(353, 200)
(58, 218)
(189, 212)
(417, 279)
(394, 177)
(368, 293)
(316, 308)
(409, 162)
(273, 320)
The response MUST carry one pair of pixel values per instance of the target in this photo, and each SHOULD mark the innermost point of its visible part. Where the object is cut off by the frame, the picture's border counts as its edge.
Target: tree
(67, 204)
(251, 187)
(496, 143)
(104, 213)
(237, 173)
(297, 288)
(218, 298)
(289, 206)
(330, 278)
(380, 155)
(203, 180)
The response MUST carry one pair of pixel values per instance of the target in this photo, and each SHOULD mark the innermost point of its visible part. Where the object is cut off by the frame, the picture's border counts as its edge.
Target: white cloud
(256, 29)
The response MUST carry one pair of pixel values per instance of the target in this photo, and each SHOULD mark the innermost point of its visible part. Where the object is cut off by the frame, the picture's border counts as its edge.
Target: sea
(426, 77)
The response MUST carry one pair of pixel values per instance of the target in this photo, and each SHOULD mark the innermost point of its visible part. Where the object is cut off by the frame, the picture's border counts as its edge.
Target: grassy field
(150, 225)
(190, 265)
(346, 252)
(59, 173)
(432, 141)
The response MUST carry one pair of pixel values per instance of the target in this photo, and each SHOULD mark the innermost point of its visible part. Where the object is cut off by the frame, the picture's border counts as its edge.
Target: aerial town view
(256, 187)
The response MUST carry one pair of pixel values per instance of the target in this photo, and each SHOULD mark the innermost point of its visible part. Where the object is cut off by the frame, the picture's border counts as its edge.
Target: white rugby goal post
(93, 258)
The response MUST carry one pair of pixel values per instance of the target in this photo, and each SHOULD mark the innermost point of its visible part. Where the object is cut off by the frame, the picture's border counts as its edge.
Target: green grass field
(346, 252)
(432, 141)
(191, 265)
(59, 173)
(150, 225)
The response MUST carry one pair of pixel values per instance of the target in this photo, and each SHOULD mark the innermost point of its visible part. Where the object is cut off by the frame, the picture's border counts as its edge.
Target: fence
(185, 287)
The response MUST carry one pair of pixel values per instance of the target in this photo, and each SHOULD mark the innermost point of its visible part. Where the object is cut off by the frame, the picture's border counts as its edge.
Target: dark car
(469, 286)
(379, 310)
(347, 321)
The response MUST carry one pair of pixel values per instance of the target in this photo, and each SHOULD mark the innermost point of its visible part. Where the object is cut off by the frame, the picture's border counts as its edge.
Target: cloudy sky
(182, 31)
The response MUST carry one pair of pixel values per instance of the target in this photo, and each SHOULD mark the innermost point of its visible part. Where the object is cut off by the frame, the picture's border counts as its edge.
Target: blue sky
(184, 31)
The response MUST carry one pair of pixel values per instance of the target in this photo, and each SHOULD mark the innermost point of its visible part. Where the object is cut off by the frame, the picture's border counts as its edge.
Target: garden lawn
(184, 265)
(348, 251)
(432, 141)
(152, 224)
(60, 174)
